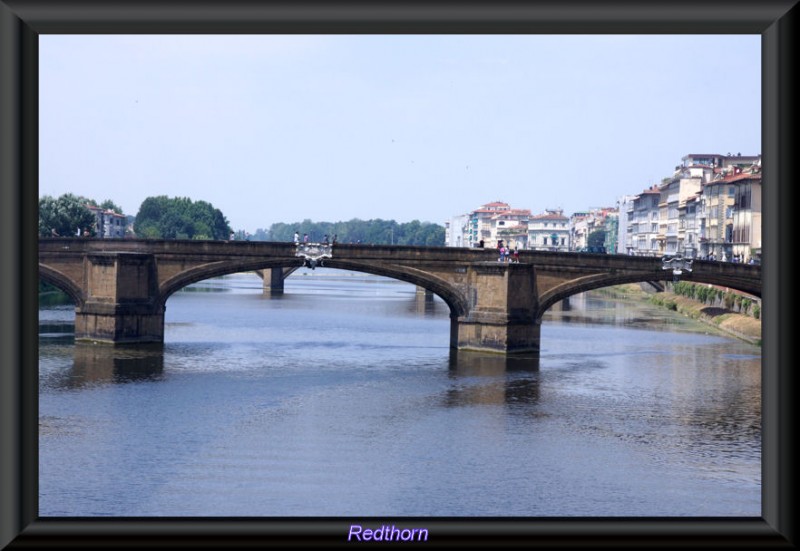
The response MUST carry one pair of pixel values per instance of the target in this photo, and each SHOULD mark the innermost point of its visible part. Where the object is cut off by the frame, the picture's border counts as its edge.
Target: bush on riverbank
(731, 312)
(714, 296)
(699, 302)
(737, 324)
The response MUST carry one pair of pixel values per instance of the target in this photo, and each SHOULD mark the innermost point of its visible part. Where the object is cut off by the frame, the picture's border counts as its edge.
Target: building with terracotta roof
(549, 231)
(644, 224)
(108, 224)
(711, 205)
(730, 220)
(686, 182)
(479, 223)
(512, 227)
(583, 224)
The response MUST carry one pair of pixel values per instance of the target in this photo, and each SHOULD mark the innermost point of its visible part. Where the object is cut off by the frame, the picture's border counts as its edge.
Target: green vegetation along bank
(731, 313)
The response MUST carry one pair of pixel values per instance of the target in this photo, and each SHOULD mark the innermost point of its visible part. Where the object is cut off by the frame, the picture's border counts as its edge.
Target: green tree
(163, 217)
(375, 231)
(108, 204)
(596, 238)
(66, 215)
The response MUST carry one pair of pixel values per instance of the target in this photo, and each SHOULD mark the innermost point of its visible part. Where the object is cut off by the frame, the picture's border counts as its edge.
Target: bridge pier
(423, 294)
(273, 281)
(502, 315)
(122, 303)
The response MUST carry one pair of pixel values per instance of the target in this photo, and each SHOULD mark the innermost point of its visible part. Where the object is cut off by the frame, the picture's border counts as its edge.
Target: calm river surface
(342, 398)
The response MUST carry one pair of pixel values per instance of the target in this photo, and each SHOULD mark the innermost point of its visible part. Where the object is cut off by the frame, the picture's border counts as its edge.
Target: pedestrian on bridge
(296, 237)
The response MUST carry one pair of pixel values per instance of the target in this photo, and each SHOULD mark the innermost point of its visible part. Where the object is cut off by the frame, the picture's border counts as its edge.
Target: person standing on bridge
(296, 237)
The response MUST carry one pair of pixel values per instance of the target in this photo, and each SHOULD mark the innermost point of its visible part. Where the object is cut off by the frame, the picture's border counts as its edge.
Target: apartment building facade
(549, 231)
(108, 224)
(709, 208)
(730, 217)
(693, 213)
(489, 223)
(644, 223)
(511, 226)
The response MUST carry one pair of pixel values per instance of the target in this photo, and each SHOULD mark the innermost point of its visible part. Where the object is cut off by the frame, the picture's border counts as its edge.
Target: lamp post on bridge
(678, 264)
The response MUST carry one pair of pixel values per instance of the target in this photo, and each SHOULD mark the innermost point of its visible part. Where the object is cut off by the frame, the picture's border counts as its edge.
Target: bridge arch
(448, 293)
(63, 282)
(444, 290)
(217, 269)
(598, 281)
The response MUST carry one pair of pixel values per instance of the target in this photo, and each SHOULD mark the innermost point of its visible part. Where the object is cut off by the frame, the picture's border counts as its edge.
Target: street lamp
(678, 264)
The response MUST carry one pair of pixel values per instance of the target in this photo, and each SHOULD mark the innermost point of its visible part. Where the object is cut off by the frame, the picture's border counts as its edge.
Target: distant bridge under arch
(120, 287)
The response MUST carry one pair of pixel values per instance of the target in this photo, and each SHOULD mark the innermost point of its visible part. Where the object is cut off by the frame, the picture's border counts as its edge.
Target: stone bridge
(120, 287)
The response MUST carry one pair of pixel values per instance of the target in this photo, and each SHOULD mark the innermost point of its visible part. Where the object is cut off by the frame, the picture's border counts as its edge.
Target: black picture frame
(22, 21)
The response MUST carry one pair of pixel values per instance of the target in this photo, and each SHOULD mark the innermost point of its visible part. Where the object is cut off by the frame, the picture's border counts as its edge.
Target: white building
(583, 224)
(625, 210)
(455, 231)
(480, 223)
(108, 224)
(549, 231)
(686, 183)
(512, 227)
(645, 223)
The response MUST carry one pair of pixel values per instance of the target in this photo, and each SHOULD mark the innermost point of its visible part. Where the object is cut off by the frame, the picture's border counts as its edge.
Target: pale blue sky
(333, 127)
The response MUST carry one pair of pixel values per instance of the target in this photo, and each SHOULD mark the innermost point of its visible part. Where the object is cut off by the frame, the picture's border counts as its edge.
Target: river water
(342, 398)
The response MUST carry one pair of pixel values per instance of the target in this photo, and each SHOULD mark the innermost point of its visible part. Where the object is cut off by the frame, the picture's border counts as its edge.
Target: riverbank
(731, 323)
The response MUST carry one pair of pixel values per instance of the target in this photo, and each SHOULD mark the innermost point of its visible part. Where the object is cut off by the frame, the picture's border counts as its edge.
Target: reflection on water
(116, 364)
(470, 363)
(494, 380)
(343, 398)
